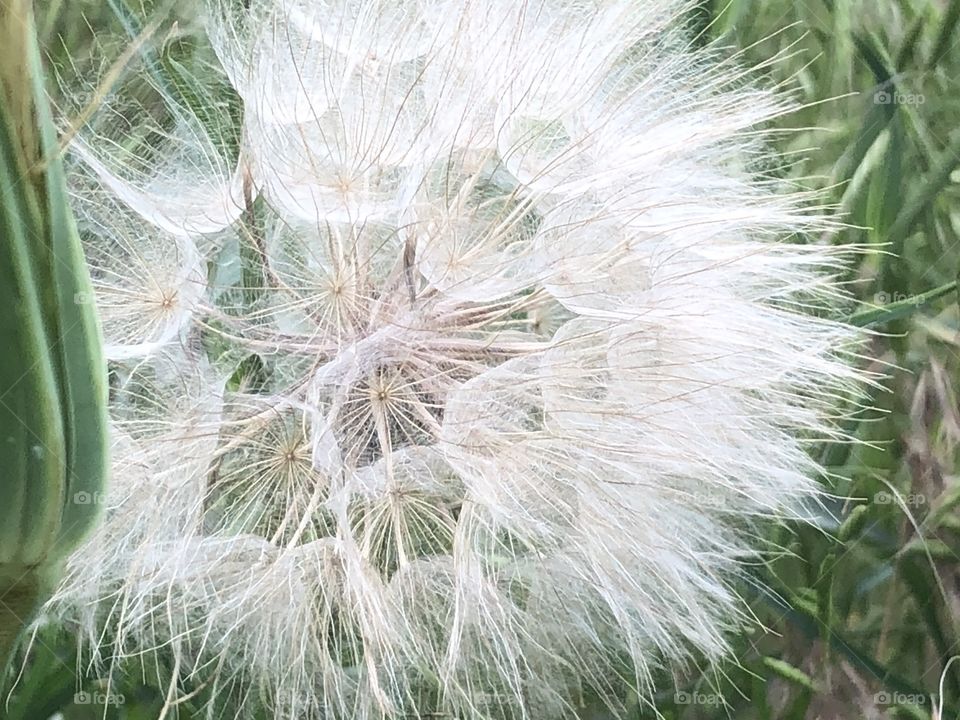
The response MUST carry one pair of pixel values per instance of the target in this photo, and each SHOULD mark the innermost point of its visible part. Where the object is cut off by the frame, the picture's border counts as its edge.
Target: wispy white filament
(526, 344)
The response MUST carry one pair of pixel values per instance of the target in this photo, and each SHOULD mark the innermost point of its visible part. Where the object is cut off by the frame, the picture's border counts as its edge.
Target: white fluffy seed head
(461, 387)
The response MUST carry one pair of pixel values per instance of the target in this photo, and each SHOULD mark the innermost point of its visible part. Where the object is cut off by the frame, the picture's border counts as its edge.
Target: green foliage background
(860, 613)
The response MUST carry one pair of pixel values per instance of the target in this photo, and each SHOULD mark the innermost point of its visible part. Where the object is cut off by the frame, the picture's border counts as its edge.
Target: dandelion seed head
(460, 382)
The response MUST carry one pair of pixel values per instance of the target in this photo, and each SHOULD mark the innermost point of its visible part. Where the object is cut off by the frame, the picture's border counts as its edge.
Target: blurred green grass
(862, 609)
(865, 616)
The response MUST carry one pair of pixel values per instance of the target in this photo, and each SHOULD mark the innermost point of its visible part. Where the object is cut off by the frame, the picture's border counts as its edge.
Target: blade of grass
(937, 180)
(901, 308)
(945, 37)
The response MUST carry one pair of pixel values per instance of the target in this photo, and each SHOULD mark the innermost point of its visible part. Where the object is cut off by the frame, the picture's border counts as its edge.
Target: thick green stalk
(53, 423)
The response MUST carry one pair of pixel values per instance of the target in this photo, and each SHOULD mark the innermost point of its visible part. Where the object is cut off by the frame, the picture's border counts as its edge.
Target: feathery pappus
(458, 382)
